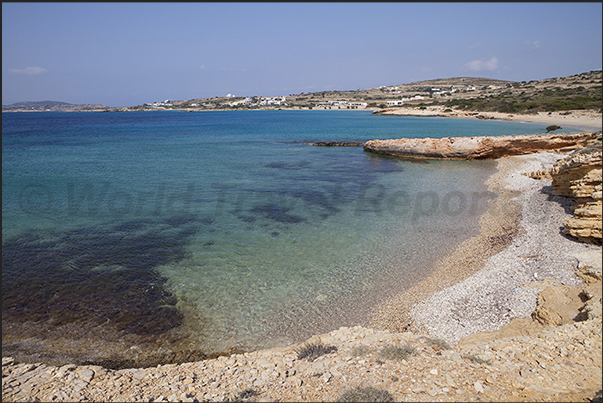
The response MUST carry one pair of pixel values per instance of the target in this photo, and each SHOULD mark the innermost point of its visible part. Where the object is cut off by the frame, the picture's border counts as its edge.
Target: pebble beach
(509, 282)
(463, 334)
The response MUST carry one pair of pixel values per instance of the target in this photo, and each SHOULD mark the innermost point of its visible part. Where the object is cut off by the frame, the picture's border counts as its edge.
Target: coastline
(497, 227)
(495, 276)
(579, 119)
(511, 231)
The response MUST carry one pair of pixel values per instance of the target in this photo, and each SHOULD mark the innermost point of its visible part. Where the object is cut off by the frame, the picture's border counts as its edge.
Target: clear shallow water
(139, 238)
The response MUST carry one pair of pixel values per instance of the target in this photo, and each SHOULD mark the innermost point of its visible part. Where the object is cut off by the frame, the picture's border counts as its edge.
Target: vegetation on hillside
(545, 100)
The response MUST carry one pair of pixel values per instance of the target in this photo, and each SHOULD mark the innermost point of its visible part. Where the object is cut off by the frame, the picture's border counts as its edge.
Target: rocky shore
(513, 315)
(480, 147)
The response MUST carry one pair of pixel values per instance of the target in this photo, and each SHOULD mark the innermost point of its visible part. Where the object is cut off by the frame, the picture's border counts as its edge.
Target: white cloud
(476, 45)
(30, 71)
(202, 67)
(533, 44)
(483, 65)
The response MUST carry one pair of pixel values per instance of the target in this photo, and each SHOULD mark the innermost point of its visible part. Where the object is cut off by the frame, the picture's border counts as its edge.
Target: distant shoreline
(579, 119)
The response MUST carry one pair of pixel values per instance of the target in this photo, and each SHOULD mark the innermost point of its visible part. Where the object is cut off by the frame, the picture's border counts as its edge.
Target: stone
(558, 305)
(86, 374)
(326, 377)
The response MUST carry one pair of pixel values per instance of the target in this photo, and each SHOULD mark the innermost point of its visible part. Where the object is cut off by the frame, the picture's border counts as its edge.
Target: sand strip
(480, 287)
(579, 119)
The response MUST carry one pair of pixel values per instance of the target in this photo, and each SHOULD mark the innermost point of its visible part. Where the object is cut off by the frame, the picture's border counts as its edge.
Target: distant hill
(50, 106)
(579, 91)
(461, 81)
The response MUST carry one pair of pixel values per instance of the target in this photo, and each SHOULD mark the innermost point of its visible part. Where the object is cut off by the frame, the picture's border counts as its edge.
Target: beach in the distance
(584, 119)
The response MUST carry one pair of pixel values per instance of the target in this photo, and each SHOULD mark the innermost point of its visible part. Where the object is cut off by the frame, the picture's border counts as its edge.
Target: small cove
(132, 239)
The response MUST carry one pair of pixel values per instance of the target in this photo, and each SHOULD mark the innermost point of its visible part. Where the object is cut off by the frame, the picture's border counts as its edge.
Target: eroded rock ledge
(578, 177)
(480, 147)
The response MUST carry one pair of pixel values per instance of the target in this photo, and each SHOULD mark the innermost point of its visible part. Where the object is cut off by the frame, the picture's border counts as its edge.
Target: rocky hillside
(579, 91)
(576, 92)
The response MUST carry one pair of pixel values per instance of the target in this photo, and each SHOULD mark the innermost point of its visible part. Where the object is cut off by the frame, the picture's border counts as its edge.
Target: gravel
(507, 286)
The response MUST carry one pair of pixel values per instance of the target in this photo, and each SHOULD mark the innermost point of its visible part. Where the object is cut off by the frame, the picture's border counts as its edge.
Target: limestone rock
(589, 266)
(578, 176)
(558, 305)
(480, 147)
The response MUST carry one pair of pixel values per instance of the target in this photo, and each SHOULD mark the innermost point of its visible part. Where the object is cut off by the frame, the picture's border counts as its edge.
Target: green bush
(312, 351)
(396, 353)
(367, 394)
(477, 360)
(441, 344)
(360, 351)
(245, 395)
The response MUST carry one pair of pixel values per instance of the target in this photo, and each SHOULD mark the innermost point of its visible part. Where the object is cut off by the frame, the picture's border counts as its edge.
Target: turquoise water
(139, 238)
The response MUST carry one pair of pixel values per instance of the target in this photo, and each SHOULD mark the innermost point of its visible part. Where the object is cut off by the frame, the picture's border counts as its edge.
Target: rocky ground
(551, 352)
(555, 363)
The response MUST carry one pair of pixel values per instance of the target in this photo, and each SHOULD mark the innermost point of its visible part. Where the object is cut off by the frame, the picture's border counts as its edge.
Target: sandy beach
(579, 119)
(456, 328)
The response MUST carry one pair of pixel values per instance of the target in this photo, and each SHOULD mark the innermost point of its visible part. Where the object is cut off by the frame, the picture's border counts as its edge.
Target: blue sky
(122, 54)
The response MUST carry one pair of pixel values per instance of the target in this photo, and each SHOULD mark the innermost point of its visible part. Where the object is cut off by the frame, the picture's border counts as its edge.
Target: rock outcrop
(578, 176)
(336, 143)
(480, 147)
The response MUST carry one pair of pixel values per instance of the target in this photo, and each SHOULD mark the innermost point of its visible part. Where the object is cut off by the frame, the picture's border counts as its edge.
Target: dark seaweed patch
(288, 166)
(94, 277)
(276, 212)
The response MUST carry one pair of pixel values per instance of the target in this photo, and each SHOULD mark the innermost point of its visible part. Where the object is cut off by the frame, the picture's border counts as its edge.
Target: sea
(133, 239)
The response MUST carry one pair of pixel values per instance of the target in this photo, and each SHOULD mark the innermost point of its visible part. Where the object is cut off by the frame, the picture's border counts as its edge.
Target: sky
(125, 54)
